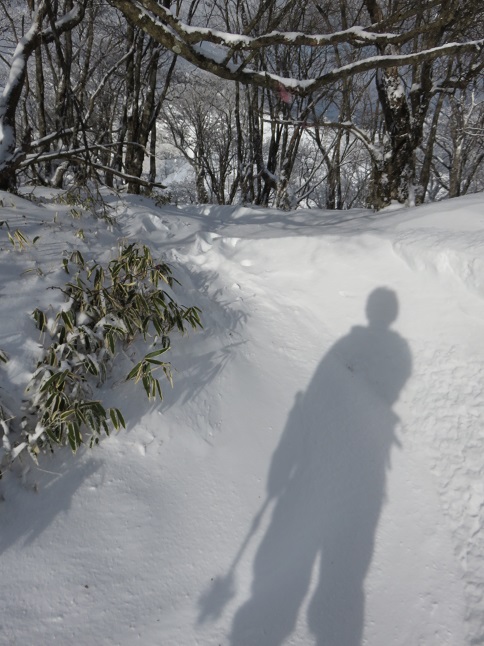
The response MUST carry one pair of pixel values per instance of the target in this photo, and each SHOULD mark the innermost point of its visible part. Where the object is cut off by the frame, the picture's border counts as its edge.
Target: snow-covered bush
(105, 307)
(86, 198)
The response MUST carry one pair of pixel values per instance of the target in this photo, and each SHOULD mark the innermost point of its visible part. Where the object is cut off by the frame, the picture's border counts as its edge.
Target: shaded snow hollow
(316, 474)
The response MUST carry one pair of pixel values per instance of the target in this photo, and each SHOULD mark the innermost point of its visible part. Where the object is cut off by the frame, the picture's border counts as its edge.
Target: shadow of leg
(270, 615)
(337, 609)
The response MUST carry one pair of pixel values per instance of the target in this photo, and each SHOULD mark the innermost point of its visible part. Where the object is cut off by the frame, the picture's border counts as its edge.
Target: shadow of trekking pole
(213, 601)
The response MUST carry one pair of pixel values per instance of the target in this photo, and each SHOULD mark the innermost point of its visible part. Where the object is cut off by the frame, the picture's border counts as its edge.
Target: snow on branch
(213, 50)
(194, 35)
(11, 92)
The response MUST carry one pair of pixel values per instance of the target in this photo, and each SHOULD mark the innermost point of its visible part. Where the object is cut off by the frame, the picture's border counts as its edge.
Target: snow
(167, 20)
(314, 477)
(17, 65)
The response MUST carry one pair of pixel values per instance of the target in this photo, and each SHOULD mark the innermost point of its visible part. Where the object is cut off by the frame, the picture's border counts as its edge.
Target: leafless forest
(282, 102)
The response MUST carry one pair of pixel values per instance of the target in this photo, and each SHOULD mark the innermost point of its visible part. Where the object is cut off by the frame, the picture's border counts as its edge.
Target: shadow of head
(385, 356)
(382, 307)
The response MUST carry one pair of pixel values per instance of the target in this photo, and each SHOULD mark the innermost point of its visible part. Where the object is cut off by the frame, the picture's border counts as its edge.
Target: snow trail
(304, 482)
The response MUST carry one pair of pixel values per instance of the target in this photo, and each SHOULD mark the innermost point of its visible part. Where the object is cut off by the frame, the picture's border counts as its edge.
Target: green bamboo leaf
(91, 366)
(114, 418)
(136, 372)
(158, 387)
(110, 341)
(168, 375)
(40, 319)
(156, 362)
(68, 319)
(54, 381)
(156, 353)
(147, 385)
(120, 418)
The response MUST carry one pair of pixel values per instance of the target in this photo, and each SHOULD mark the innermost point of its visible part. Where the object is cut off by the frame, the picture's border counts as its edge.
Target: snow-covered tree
(46, 26)
(405, 45)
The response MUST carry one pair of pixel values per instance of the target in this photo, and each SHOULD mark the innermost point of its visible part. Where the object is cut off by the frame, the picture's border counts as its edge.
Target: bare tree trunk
(426, 167)
(10, 155)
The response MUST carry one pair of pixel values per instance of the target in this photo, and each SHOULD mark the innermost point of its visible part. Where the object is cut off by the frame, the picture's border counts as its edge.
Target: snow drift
(314, 477)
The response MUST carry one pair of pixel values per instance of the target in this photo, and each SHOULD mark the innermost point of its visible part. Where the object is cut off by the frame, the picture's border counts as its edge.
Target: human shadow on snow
(327, 486)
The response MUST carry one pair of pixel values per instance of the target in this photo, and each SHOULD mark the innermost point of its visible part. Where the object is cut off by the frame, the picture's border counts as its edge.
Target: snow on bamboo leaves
(105, 306)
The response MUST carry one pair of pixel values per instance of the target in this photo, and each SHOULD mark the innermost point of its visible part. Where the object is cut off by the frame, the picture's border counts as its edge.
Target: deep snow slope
(316, 474)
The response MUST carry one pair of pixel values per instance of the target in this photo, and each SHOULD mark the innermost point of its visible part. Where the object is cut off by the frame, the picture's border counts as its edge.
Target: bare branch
(194, 44)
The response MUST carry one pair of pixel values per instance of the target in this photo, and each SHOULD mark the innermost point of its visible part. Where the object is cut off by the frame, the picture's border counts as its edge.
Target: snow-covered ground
(315, 476)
